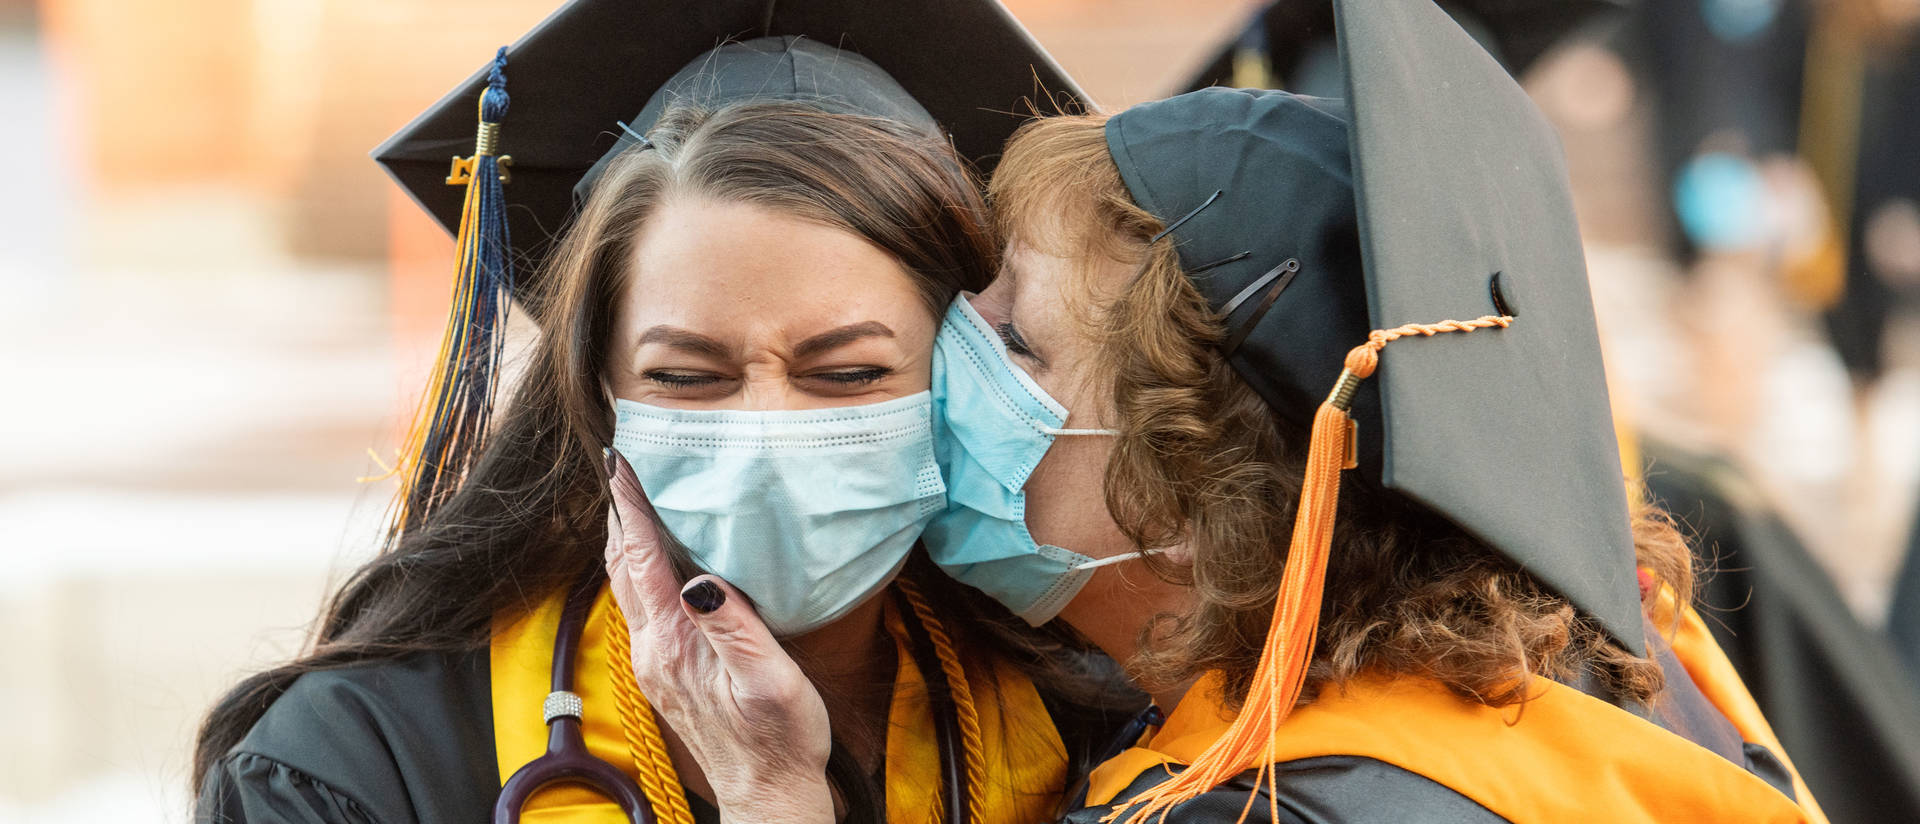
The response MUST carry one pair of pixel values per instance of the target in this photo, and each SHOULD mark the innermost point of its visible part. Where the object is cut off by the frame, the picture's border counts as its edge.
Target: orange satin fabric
(1565, 757)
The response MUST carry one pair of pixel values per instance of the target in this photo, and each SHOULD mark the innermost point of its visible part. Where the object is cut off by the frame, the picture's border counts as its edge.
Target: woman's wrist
(805, 801)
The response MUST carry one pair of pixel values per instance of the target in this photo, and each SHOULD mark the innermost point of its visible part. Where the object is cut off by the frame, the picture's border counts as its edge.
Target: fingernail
(704, 597)
(606, 457)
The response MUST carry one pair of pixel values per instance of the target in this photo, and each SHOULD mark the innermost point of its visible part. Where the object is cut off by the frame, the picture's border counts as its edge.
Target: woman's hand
(750, 718)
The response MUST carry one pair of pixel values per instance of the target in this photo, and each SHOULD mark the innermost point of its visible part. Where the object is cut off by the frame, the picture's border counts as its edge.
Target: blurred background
(213, 305)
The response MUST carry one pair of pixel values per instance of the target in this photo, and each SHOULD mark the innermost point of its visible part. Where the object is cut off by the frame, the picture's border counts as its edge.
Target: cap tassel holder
(451, 420)
(1288, 651)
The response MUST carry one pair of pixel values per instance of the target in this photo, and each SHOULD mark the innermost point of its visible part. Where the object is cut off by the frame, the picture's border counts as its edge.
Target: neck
(851, 662)
(1115, 611)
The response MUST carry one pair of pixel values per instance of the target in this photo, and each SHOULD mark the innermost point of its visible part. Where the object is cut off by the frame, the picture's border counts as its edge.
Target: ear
(1179, 555)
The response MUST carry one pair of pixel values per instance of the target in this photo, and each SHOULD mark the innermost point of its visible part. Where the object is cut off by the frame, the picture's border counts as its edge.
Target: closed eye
(1015, 344)
(681, 380)
(854, 377)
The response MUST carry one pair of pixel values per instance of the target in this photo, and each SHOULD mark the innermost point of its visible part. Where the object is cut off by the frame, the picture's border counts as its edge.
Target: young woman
(1468, 628)
(751, 290)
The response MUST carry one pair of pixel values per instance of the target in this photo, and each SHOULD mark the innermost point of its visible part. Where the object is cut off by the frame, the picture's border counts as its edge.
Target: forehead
(701, 263)
(1051, 278)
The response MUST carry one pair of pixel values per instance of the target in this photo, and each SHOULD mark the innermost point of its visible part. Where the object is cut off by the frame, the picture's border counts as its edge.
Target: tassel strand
(1288, 651)
(451, 421)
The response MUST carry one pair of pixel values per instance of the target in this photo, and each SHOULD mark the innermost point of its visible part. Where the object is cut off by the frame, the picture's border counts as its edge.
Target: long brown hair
(530, 517)
(1204, 461)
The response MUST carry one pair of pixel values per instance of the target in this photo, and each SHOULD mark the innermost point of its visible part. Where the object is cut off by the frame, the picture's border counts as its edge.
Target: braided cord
(1362, 360)
(962, 694)
(1287, 652)
(657, 777)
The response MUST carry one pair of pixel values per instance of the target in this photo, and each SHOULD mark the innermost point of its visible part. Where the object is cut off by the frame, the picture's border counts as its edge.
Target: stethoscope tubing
(567, 757)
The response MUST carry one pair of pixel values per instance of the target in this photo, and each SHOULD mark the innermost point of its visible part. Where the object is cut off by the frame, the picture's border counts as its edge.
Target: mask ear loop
(1118, 559)
(1070, 432)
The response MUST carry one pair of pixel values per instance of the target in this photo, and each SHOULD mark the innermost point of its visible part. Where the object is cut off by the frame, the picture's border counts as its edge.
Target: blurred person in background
(1786, 165)
(1759, 112)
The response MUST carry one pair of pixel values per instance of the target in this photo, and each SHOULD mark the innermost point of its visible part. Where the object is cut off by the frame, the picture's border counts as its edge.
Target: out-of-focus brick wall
(281, 98)
(1130, 51)
(286, 98)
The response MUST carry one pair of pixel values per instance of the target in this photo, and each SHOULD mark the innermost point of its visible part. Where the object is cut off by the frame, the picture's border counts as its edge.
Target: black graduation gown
(411, 742)
(400, 742)
(1903, 617)
(1833, 690)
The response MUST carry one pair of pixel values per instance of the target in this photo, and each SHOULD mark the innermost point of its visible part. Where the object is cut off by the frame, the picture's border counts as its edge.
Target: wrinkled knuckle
(734, 637)
(649, 682)
(775, 697)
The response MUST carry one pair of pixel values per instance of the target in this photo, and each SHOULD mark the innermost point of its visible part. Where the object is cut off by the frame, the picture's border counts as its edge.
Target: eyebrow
(683, 339)
(836, 338)
(688, 340)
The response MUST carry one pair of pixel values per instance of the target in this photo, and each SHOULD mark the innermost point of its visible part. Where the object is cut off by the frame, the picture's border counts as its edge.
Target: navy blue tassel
(450, 425)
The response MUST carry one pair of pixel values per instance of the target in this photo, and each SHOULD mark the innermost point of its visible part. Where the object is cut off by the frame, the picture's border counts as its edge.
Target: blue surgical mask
(808, 512)
(992, 424)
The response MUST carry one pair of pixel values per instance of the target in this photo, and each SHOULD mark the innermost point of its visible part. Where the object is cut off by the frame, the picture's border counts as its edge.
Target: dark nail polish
(704, 597)
(606, 456)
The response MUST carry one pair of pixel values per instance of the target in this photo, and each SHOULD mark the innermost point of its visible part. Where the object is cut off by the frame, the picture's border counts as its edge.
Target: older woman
(1471, 627)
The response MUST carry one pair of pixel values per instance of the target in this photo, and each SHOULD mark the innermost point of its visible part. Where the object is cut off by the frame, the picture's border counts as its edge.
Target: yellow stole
(1026, 761)
(1565, 756)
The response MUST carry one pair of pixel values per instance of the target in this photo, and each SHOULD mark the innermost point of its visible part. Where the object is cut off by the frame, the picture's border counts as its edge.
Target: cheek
(1066, 504)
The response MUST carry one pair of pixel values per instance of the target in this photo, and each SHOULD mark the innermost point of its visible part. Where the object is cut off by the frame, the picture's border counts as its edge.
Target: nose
(769, 389)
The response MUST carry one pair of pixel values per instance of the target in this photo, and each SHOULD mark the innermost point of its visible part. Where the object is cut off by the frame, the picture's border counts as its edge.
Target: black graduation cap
(1435, 192)
(593, 64)
(1290, 35)
(577, 81)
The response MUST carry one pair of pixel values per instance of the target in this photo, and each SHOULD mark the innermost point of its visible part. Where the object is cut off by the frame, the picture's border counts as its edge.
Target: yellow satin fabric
(1565, 757)
(1026, 761)
(1025, 758)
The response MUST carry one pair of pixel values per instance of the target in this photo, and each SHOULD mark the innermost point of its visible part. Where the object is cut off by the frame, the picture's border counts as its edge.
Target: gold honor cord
(967, 714)
(654, 767)
(1288, 651)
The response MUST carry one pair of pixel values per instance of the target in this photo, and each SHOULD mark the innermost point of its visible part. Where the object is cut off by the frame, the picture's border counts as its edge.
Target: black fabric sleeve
(1338, 789)
(1832, 689)
(255, 789)
(398, 742)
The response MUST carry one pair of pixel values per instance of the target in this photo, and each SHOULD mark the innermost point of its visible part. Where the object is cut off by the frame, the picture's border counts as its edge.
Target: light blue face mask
(808, 512)
(992, 424)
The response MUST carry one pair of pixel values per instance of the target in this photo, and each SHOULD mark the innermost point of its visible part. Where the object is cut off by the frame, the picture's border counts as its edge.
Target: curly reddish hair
(1203, 462)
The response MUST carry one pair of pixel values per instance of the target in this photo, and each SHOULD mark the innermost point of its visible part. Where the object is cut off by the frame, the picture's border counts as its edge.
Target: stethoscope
(568, 760)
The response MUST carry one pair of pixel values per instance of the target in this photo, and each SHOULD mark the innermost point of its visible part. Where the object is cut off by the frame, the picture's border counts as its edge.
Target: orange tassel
(1284, 659)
